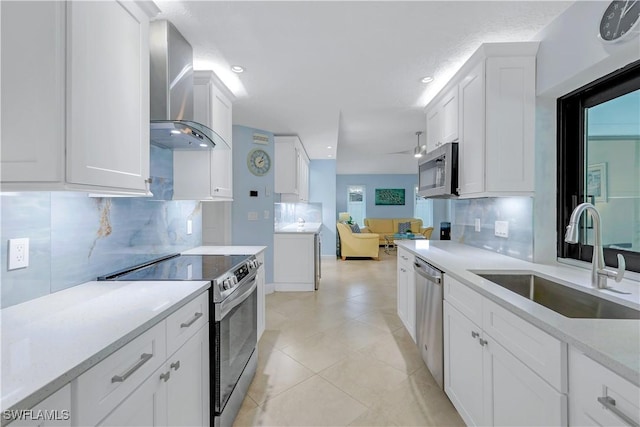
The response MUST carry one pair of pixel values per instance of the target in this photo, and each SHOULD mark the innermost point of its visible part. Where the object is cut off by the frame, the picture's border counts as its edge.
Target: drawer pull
(483, 342)
(192, 321)
(165, 377)
(175, 365)
(474, 334)
(610, 404)
(144, 358)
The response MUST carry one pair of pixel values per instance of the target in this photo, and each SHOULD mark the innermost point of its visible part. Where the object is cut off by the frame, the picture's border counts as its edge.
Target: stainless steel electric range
(233, 319)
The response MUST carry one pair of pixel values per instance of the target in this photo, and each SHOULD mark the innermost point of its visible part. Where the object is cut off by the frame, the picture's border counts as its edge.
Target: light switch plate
(189, 226)
(502, 229)
(252, 216)
(18, 253)
(478, 225)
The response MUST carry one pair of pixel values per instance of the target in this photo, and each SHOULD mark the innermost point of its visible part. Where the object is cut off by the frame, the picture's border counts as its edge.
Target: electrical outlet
(18, 253)
(189, 226)
(252, 216)
(189, 271)
(502, 229)
(478, 225)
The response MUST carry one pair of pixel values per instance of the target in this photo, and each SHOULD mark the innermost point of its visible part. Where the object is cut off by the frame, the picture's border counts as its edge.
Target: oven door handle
(233, 301)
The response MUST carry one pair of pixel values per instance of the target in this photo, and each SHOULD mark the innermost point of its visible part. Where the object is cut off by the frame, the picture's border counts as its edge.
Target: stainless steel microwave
(438, 172)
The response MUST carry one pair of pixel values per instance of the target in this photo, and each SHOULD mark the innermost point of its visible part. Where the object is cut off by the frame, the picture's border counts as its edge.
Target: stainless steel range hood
(171, 87)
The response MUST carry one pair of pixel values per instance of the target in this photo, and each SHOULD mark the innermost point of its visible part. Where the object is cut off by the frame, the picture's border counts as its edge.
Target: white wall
(570, 56)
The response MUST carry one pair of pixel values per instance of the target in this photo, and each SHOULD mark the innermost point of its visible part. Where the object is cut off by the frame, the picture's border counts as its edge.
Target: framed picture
(389, 196)
(597, 182)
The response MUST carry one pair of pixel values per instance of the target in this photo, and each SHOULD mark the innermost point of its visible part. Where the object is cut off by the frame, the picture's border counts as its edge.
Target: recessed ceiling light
(237, 69)
(329, 155)
(203, 145)
(427, 79)
(329, 147)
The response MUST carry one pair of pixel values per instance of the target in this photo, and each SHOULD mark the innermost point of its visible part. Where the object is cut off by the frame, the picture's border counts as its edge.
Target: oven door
(438, 172)
(235, 339)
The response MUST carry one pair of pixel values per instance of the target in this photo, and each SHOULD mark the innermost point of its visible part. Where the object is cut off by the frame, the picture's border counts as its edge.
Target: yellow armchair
(357, 244)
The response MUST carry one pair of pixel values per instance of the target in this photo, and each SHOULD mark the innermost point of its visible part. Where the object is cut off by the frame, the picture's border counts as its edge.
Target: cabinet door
(472, 139)
(32, 87)
(403, 292)
(260, 281)
(463, 367)
(58, 405)
(107, 94)
(294, 259)
(433, 128)
(221, 158)
(449, 114)
(147, 406)
(515, 395)
(511, 98)
(188, 386)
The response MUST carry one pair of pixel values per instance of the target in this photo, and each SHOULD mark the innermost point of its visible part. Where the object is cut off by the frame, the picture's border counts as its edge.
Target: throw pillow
(355, 228)
(403, 227)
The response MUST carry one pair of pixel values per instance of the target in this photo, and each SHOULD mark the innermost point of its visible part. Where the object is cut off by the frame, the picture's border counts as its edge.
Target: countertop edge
(608, 361)
(37, 396)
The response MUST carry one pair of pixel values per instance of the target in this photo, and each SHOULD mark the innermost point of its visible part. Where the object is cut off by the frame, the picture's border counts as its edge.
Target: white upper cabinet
(291, 169)
(489, 108)
(199, 175)
(75, 96)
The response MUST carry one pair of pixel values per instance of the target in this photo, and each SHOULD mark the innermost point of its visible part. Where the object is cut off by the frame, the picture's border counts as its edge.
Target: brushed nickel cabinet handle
(483, 342)
(192, 321)
(610, 404)
(175, 365)
(474, 334)
(144, 358)
(165, 377)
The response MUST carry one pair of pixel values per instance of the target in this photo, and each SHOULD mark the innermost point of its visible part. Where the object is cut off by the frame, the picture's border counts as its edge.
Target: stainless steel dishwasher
(429, 317)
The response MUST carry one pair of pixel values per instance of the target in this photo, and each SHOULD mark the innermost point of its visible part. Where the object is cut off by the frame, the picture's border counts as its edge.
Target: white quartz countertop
(307, 227)
(611, 342)
(225, 250)
(49, 341)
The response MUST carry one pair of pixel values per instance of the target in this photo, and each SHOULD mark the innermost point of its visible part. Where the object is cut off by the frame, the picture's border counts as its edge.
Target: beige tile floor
(341, 357)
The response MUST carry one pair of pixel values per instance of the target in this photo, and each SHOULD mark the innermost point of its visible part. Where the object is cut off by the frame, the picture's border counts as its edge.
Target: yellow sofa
(388, 226)
(357, 244)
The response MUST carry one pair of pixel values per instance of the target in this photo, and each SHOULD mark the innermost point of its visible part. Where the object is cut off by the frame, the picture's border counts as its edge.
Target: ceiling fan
(418, 151)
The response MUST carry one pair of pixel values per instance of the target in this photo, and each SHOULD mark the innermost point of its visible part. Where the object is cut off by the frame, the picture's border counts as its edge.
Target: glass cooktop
(182, 267)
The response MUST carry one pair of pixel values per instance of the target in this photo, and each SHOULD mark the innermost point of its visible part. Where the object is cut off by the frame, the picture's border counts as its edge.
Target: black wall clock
(619, 20)
(258, 162)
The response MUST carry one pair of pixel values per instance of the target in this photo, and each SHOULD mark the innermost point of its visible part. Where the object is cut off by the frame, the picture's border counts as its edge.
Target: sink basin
(562, 299)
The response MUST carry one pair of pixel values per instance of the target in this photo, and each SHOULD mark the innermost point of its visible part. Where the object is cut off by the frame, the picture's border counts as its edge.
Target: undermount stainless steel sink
(562, 299)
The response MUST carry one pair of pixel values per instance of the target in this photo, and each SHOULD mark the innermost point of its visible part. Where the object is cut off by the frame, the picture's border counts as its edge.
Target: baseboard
(294, 287)
(269, 288)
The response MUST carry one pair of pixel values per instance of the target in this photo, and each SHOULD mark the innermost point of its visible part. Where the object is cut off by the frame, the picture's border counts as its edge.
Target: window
(357, 203)
(423, 209)
(599, 162)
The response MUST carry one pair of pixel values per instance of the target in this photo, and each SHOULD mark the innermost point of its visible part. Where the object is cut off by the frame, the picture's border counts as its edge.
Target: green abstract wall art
(389, 196)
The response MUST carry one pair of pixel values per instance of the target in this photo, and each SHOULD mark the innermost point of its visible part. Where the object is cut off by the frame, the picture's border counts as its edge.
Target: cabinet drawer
(466, 300)
(184, 323)
(541, 352)
(405, 257)
(99, 390)
(589, 381)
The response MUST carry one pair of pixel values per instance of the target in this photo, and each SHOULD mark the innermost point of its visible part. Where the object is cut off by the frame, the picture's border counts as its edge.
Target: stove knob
(234, 280)
(227, 283)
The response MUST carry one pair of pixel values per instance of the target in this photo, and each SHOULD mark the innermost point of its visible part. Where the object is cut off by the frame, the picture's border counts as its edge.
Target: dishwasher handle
(430, 277)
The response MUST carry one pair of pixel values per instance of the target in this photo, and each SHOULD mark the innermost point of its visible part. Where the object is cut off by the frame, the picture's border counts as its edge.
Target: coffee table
(390, 246)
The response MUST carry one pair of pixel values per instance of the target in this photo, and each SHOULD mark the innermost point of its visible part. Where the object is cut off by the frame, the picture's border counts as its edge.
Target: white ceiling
(346, 74)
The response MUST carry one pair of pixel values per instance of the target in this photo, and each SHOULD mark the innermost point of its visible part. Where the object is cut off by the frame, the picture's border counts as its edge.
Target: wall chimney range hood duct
(171, 93)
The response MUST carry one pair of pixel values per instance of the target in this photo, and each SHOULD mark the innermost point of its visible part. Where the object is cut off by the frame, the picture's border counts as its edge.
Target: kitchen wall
(74, 238)
(371, 182)
(322, 189)
(258, 231)
(516, 210)
(570, 56)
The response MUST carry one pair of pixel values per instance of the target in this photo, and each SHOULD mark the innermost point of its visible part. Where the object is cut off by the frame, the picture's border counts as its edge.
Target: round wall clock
(619, 20)
(258, 162)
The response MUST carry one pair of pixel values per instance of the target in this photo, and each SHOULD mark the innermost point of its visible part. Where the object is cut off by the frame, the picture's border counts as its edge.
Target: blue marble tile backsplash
(518, 211)
(74, 238)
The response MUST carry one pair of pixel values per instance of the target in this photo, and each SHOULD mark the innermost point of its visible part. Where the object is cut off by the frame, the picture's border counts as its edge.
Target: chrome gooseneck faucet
(599, 273)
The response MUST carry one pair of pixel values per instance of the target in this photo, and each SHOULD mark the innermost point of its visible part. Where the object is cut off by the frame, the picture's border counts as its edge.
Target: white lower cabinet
(407, 291)
(260, 282)
(139, 385)
(54, 411)
(488, 380)
(294, 259)
(599, 397)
